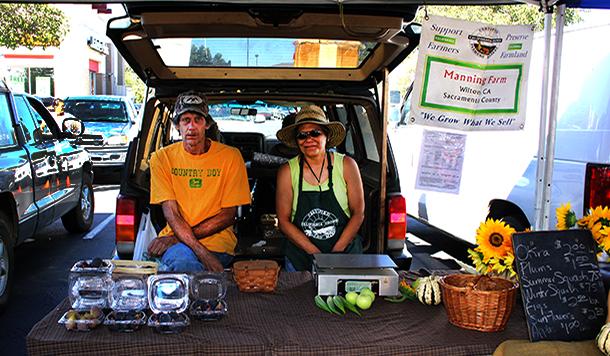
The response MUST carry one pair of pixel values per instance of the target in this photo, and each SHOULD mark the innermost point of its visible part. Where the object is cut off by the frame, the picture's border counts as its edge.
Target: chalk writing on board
(561, 285)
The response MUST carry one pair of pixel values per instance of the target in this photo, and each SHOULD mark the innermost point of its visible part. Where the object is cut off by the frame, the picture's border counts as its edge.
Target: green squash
(603, 339)
(428, 290)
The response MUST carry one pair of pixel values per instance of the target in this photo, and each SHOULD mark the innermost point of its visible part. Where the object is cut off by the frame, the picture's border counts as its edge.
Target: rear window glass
(261, 117)
(90, 110)
(367, 134)
(262, 52)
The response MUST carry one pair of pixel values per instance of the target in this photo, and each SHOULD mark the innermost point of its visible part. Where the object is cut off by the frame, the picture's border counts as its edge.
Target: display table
(285, 323)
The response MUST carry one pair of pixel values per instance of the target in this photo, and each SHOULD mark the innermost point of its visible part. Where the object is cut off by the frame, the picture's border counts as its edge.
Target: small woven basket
(480, 303)
(256, 276)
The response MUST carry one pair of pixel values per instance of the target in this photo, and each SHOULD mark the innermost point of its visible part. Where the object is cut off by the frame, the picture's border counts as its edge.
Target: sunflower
(494, 239)
(504, 265)
(583, 222)
(566, 218)
(604, 240)
(598, 220)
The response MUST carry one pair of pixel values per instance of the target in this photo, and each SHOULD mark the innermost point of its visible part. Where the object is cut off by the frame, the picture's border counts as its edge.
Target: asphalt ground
(41, 275)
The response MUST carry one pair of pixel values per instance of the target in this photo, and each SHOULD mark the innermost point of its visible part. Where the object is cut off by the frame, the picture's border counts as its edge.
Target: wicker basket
(478, 302)
(256, 276)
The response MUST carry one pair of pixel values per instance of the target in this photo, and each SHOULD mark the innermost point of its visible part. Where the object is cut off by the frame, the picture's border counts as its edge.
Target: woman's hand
(339, 247)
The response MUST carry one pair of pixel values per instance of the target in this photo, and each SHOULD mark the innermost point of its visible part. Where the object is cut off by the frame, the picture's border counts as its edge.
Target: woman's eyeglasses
(303, 135)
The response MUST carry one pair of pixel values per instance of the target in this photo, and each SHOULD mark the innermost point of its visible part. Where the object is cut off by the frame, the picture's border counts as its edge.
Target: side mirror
(73, 127)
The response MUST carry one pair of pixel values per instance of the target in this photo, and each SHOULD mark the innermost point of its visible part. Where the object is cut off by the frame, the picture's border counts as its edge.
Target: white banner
(471, 76)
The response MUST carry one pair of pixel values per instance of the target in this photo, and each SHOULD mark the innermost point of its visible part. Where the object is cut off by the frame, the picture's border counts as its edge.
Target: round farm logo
(484, 41)
(319, 224)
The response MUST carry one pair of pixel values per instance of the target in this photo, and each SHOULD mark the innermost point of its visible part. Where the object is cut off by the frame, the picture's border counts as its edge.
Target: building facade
(85, 63)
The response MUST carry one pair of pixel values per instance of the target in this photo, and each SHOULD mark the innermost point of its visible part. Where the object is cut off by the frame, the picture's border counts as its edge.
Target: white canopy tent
(548, 111)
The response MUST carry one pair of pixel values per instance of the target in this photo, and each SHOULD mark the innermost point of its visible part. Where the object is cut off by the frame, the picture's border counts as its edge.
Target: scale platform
(337, 274)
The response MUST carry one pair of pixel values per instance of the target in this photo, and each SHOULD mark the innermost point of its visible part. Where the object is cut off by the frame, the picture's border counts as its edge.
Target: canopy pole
(550, 142)
(548, 20)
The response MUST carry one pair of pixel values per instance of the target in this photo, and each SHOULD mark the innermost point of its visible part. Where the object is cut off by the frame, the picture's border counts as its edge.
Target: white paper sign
(471, 76)
(43, 86)
(440, 161)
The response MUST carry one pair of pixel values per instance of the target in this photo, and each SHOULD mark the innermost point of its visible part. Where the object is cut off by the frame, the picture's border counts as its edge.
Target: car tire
(7, 240)
(80, 218)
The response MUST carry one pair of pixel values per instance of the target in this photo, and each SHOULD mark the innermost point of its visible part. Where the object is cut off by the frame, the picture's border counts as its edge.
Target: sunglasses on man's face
(303, 135)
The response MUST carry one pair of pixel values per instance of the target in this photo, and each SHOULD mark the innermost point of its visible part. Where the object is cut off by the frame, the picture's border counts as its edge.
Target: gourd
(428, 290)
(603, 339)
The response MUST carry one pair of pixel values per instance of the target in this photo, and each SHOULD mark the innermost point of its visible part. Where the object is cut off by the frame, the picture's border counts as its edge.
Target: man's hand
(211, 262)
(159, 245)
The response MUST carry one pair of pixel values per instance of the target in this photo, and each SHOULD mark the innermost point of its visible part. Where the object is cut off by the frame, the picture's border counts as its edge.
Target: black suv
(257, 63)
(43, 177)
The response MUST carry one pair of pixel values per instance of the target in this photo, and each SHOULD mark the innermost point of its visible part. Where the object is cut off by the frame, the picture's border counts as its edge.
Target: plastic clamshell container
(125, 321)
(80, 321)
(208, 290)
(129, 293)
(168, 293)
(89, 285)
(169, 323)
(85, 266)
(208, 310)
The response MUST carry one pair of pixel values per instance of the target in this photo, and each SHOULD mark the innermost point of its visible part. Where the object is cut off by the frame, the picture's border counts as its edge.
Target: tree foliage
(31, 25)
(201, 56)
(134, 84)
(499, 14)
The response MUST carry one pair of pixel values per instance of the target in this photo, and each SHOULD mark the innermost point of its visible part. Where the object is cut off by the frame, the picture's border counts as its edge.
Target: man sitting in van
(199, 184)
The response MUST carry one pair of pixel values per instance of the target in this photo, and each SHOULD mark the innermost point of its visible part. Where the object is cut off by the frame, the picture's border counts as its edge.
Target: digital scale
(337, 274)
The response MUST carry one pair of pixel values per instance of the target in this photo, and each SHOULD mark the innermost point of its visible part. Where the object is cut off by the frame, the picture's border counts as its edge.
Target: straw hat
(312, 114)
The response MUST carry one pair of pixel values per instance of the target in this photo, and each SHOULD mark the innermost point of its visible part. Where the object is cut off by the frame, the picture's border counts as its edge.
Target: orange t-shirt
(201, 185)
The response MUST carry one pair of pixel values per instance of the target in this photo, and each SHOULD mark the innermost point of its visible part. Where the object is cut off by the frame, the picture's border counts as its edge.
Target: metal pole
(550, 142)
(548, 18)
(383, 164)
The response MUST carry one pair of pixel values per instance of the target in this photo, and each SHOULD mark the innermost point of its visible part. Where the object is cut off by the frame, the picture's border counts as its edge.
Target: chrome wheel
(85, 202)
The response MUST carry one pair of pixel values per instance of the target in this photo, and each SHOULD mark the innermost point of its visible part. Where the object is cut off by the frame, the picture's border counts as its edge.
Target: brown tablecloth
(285, 323)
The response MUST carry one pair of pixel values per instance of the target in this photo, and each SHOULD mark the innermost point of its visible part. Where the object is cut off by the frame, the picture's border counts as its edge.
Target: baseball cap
(191, 101)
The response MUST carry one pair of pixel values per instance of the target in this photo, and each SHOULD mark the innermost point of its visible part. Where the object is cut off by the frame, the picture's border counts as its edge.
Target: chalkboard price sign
(561, 286)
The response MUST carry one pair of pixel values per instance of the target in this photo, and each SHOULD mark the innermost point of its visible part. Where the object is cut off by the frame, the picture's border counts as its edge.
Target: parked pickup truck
(43, 177)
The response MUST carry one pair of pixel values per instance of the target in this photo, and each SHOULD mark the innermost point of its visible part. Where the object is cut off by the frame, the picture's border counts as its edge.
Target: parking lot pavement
(41, 271)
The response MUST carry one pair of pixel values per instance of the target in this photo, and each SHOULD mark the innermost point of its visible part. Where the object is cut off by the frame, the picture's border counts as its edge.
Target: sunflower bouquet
(494, 253)
(597, 220)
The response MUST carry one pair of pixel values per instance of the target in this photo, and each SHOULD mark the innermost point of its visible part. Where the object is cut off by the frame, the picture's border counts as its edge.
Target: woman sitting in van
(319, 197)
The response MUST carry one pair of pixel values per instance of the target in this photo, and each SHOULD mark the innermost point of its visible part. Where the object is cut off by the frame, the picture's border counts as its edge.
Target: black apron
(321, 219)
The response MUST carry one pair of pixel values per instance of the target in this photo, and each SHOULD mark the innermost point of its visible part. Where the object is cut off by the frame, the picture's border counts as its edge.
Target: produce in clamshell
(428, 290)
(82, 320)
(603, 339)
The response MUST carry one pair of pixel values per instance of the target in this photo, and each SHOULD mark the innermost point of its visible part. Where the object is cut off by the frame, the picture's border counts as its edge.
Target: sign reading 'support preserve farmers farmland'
(471, 76)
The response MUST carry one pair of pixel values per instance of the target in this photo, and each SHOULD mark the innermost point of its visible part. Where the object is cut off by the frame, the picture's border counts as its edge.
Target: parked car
(113, 119)
(43, 177)
(339, 71)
